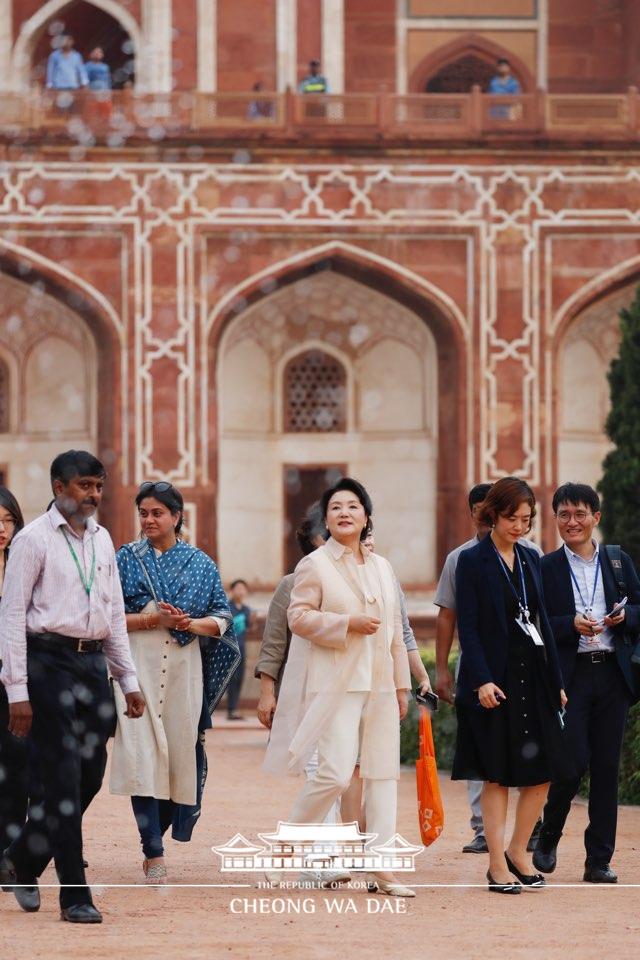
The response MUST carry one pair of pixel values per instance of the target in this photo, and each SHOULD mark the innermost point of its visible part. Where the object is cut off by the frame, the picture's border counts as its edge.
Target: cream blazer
(327, 591)
(327, 660)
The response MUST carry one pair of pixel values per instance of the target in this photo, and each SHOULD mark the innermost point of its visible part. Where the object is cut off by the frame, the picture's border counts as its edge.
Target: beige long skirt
(155, 755)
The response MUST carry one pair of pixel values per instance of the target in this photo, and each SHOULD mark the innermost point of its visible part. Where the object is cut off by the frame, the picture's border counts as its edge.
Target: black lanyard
(522, 600)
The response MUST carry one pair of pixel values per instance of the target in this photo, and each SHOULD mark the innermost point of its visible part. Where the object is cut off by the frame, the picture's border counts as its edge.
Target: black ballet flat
(534, 881)
(502, 887)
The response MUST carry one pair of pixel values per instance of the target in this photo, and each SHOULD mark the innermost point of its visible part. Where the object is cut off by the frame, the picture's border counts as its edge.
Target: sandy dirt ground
(584, 920)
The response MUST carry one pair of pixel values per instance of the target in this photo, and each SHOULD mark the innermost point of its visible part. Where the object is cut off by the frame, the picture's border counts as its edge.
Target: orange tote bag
(430, 810)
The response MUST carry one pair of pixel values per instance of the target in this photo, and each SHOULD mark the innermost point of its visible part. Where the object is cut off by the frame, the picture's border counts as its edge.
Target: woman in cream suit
(346, 683)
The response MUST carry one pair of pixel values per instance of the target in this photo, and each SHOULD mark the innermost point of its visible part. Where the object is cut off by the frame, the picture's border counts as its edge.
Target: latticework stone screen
(314, 394)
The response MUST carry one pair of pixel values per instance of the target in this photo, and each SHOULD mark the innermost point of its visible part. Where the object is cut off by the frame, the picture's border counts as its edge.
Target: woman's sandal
(502, 887)
(154, 874)
(534, 881)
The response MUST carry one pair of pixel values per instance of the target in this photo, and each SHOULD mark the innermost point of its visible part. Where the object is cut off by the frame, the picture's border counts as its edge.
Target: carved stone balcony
(126, 116)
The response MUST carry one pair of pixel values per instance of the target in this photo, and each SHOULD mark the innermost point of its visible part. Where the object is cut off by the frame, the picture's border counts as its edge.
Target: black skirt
(520, 743)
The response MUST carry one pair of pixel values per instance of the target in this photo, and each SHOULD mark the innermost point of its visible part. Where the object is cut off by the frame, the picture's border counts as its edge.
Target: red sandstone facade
(501, 245)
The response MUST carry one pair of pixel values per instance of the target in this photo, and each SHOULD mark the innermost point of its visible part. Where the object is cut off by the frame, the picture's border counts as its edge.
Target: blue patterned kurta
(186, 578)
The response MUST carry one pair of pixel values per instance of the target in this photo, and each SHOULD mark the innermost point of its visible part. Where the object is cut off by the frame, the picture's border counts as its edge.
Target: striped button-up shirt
(43, 593)
(584, 572)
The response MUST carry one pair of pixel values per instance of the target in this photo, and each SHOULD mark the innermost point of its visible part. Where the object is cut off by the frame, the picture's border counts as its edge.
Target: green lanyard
(87, 584)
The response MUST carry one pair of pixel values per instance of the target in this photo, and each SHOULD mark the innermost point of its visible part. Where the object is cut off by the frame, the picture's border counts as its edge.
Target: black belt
(51, 641)
(596, 656)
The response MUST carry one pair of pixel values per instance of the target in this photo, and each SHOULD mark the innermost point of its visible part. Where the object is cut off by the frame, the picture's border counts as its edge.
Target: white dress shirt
(585, 572)
(43, 593)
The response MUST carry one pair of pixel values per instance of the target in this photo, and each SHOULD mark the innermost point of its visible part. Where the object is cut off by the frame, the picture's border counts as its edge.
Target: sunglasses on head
(161, 486)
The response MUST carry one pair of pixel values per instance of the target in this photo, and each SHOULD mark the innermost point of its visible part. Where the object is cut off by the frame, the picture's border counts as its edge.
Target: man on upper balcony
(65, 68)
(504, 81)
(314, 82)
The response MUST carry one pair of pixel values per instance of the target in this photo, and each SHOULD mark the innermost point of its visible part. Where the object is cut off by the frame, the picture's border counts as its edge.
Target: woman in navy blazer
(510, 693)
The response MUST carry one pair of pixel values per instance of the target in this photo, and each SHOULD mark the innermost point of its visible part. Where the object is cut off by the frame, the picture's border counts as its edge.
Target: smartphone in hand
(429, 700)
(618, 608)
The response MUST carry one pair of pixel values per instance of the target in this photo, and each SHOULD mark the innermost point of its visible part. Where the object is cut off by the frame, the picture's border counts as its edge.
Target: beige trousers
(337, 754)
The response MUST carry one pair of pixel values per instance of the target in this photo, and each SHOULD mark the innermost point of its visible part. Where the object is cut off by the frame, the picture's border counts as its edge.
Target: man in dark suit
(581, 590)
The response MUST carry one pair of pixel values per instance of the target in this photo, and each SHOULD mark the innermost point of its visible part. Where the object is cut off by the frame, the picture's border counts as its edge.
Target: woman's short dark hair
(168, 495)
(76, 463)
(355, 487)
(11, 505)
(504, 498)
(575, 494)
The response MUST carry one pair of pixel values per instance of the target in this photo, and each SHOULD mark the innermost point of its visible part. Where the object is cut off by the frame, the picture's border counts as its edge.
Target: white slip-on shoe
(377, 885)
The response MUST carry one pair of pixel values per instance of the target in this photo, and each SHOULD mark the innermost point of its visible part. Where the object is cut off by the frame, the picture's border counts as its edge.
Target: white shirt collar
(57, 520)
(338, 550)
(576, 556)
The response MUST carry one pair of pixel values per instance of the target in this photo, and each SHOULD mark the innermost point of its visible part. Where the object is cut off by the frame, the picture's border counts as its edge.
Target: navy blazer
(483, 631)
(561, 608)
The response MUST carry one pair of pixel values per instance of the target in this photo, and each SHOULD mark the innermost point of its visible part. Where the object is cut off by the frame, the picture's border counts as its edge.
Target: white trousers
(310, 770)
(337, 754)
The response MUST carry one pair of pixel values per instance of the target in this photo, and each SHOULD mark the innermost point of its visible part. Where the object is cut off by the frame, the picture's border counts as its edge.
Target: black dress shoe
(81, 913)
(545, 856)
(602, 873)
(502, 887)
(28, 897)
(477, 845)
(532, 880)
(27, 894)
(535, 836)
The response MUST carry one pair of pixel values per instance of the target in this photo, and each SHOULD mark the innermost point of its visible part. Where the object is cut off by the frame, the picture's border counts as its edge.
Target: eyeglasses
(8, 523)
(162, 486)
(580, 515)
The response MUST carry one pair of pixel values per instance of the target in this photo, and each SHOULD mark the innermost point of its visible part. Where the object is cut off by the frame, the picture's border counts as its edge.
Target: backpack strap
(614, 553)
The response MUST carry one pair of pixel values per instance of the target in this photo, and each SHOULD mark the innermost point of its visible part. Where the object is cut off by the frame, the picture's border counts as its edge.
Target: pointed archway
(435, 365)
(92, 23)
(467, 61)
(63, 324)
(587, 338)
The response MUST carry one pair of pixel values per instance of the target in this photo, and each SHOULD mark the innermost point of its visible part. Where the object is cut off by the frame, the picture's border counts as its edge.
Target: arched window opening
(315, 394)
(91, 27)
(462, 74)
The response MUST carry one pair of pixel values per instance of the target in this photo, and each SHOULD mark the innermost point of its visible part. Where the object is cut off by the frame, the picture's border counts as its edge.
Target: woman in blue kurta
(185, 651)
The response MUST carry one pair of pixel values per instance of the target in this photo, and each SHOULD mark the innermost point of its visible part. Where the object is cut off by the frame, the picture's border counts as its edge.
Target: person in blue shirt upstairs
(98, 71)
(314, 82)
(504, 81)
(65, 68)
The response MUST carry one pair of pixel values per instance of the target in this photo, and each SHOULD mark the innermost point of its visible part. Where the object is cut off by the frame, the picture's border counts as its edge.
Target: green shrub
(629, 782)
(444, 736)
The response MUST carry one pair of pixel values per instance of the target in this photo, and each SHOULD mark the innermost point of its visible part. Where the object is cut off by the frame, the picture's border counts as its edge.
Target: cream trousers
(337, 754)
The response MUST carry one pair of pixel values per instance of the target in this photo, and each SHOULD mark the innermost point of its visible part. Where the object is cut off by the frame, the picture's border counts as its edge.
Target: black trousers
(70, 697)
(14, 778)
(597, 708)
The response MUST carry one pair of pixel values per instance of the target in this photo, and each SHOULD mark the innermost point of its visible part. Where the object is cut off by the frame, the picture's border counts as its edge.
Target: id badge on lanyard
(524, 620)
(529, 628)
